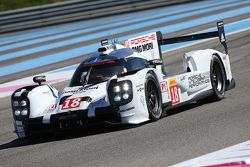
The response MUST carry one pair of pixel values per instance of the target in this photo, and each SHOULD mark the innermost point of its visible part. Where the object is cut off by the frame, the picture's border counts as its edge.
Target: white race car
(124, 84)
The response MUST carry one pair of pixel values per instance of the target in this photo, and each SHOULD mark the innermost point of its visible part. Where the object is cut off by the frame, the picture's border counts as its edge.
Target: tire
(153, 97)
(218, 79)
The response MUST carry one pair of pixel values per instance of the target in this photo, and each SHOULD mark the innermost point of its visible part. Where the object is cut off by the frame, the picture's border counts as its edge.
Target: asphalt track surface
(186, 132)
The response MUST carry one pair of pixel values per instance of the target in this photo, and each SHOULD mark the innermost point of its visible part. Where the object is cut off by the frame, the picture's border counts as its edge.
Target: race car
(124, 84)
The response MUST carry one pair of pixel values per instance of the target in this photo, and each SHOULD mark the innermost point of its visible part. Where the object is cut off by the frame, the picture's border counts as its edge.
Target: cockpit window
(135, 63)
(100, 71)
(116, 54)
(96, 74)
(122, 53)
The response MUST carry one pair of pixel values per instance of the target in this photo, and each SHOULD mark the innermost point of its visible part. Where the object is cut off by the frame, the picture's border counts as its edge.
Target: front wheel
(153, 97)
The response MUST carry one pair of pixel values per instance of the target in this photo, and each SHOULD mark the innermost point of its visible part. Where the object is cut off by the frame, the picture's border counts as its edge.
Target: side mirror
(39, 79)
(156, 62)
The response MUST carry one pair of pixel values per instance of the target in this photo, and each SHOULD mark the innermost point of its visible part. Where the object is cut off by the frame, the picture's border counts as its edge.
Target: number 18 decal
(71, 103)
(174, 92)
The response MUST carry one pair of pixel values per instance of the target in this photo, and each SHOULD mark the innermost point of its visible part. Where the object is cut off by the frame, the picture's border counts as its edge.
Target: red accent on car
(143, 39)
(99, 63)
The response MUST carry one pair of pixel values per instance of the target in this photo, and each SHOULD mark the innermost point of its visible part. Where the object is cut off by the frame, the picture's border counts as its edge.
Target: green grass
(16, 4)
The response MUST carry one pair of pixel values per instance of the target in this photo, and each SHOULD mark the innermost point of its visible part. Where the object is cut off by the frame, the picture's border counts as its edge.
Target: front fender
(136, 111)
(41, 100)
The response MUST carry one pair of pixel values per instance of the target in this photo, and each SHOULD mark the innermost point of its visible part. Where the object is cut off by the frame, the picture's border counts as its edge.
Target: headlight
(24, 112)
(120, 93)
(17, 112)
(20, 107)
(23, 103)
(117, 98)
(125, 96)
(117, 88)
(15, 103)
(125, 86)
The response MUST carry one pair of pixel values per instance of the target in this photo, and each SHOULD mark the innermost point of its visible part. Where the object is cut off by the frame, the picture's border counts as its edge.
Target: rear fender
(200, 60)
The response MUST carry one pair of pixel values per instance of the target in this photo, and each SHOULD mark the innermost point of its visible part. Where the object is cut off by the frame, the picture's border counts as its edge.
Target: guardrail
(75, 10)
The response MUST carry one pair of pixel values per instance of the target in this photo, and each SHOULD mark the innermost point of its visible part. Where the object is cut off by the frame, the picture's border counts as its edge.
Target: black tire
(218, 79)
(153, 97)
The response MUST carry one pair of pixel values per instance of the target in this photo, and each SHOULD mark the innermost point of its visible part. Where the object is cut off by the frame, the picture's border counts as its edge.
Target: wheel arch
(158, 80)
(200, 60)
(223, 65)
(157, 84)
(219, 91)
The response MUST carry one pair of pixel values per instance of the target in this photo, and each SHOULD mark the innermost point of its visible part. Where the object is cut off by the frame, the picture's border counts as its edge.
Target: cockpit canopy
(101, 67)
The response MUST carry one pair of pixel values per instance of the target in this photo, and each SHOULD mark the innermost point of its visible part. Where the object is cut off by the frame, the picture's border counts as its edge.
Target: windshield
(103, 71)
(95, 74)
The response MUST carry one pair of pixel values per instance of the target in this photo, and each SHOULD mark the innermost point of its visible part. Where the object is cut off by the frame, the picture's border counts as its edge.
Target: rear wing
(219, 33)
(149, 44)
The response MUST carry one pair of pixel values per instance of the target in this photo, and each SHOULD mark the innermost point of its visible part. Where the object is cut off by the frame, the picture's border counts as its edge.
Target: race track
(186, 132)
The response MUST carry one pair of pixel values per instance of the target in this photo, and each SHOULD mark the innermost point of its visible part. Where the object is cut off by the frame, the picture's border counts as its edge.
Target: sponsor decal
(163, 86)
(143, 39)
(126, 43)
(142, 100)
(128, 109)
(71, 91)
(146, 44)
(144, 47)
(81, 90)
(89, 88)
(50, 108)
(72, 103)
(183, 78)
(198, 80)
(140, 89)
(137, 86)
(174, 91)
(47, 92)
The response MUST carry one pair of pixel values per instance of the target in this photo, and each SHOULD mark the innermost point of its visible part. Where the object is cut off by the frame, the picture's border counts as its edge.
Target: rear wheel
(153, 97)
(218, 79)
